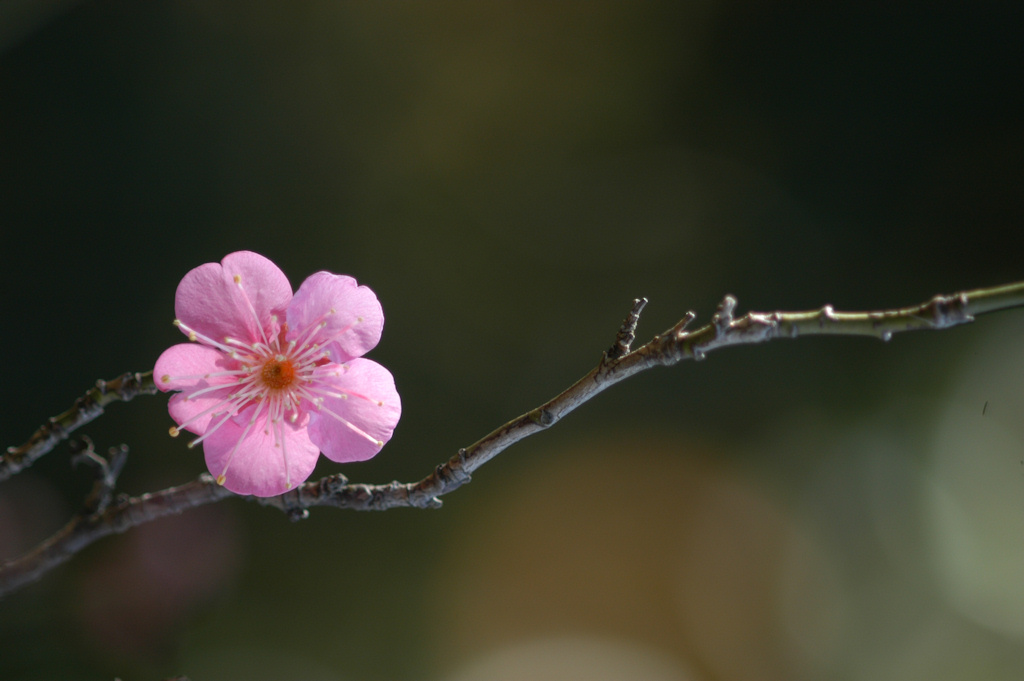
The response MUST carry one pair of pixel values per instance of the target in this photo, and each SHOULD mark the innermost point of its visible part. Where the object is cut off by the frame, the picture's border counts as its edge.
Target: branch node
(329, 486)
(542, 417)
(459, 473)
(453, 473)
(776, 319)
(826, 314)
(950, 310)
(291, 503)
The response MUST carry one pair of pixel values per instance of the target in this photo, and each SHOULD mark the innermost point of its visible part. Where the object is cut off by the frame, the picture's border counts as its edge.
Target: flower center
(278, 373)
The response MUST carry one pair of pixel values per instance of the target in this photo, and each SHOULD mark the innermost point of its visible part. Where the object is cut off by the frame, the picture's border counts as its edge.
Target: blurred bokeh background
(508, 176)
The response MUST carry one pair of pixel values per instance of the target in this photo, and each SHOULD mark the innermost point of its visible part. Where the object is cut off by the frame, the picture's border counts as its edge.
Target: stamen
(213, 388)
(306, 337)
(210, 431)
(194, 335)
(259, 324)
(320, 390)
(306, 392)
(284, 456)
(200, 377)
(231, 455)
(335, 336)
(214, 410)
(256, 349)
(305, 352)
(312, 328)
(353, 428)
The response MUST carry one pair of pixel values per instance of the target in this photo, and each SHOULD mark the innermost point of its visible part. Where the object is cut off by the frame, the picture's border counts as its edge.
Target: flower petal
(254, 461)
(356, 425)
(186, 366)
(354, 326)
(210, 302)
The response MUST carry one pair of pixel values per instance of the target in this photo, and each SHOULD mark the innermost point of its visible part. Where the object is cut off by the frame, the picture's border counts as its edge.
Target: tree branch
(102, 516)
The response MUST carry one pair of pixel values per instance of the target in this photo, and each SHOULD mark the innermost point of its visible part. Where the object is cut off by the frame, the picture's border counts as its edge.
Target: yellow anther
(220, 479)
(165, 378)
(238, 278)
(174, 431)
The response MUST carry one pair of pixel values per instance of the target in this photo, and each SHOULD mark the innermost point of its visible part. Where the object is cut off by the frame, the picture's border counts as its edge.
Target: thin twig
(107, 472)
(627, 332)
(86, 408)
(668, 348)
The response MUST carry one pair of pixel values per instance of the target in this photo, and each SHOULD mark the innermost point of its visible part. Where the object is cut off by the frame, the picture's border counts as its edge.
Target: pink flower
(274, 379)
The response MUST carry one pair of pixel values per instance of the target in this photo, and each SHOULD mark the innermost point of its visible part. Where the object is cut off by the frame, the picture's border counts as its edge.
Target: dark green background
(508, 177)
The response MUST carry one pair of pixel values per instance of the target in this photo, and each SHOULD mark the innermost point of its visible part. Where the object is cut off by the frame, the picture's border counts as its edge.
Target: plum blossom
(271, 380)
